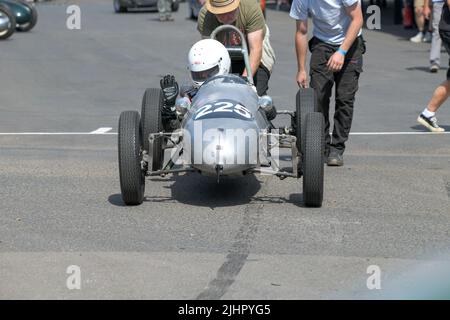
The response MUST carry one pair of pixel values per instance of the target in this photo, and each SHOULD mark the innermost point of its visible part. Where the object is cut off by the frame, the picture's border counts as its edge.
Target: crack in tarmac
(237, 255)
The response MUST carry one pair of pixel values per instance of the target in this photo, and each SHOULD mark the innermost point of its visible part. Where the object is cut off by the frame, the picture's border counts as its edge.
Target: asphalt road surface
(249, 238)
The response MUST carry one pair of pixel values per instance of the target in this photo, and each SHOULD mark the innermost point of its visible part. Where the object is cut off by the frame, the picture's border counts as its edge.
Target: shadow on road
(422, 128)
(116, 200)
(139, 10)
(423, 68)
(203, 191)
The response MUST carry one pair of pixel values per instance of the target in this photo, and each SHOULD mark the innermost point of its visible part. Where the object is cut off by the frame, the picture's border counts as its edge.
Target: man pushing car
(247, 16)
(337, 49)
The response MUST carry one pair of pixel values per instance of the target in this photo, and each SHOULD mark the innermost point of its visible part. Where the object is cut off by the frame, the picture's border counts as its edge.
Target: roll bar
(243, 49)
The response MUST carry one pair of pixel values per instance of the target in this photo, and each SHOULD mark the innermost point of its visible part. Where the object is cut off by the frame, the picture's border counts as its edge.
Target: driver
(207, 58)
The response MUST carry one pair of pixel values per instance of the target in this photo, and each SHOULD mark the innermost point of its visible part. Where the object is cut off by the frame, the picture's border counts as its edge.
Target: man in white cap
(247, 16)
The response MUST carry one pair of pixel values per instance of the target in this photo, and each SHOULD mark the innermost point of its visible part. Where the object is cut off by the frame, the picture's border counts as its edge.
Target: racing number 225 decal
(223, 109)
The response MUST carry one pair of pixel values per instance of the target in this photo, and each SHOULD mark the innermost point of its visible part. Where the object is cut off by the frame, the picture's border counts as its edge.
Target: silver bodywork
(225, 143)
(224, 137)
(225, 131)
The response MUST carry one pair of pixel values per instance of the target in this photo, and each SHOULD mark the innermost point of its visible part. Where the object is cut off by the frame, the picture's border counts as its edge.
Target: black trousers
(261, 78)
(346, 85)
(445, 36)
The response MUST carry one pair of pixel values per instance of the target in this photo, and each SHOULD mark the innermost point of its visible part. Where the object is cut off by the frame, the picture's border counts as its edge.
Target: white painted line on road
(101, 130)
(104, 131)
(53, 133)
(396, 133)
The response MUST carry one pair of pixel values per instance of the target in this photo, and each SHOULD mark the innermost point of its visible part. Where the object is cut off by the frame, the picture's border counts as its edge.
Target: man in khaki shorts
(247, 16)
(422, 36)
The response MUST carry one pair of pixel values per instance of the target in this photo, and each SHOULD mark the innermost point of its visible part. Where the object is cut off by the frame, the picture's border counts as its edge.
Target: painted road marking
(396, 133)
(101, 130)
(105, 131)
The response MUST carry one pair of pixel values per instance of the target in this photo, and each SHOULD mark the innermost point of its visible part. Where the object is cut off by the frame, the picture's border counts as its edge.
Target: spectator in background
(436, 42)
(165, 10)
(428, 116)
(422, 36)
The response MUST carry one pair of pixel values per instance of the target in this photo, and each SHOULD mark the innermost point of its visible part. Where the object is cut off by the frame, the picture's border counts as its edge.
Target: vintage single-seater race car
(226, 131)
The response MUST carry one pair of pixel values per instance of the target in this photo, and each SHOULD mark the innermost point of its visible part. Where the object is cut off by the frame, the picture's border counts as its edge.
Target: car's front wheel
(132, 175)
(151, 122)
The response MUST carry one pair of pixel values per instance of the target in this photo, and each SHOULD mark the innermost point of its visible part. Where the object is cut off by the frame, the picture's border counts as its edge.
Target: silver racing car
(225, 131)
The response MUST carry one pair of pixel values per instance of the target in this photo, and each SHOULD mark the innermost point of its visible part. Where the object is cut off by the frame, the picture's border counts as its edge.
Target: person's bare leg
(420, 19)
(428, 116)
(440, 95)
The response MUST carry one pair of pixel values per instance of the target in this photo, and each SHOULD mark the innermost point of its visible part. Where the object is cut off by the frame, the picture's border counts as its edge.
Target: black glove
(170, 89)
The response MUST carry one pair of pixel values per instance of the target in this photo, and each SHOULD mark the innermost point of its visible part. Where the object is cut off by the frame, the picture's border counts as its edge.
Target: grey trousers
(165, 8)
(436, 42)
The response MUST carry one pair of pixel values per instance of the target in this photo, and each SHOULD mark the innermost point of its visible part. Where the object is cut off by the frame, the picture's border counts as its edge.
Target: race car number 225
(223, 109)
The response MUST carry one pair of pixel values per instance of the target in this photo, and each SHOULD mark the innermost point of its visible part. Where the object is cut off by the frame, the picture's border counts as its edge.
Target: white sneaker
(430, 123)
(417, 38)
(427, 38)
(434, 68)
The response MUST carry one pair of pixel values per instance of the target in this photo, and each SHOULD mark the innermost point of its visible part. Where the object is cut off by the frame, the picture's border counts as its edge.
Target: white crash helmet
(207, 58)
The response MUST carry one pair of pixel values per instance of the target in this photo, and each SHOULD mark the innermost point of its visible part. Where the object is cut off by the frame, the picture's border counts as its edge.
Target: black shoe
(335, 159)
(325, 156)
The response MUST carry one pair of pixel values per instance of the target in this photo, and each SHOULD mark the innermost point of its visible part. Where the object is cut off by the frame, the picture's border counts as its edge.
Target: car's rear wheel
(305, 103)
(7, 22)
(118, 7)
(312, 160)
(151, 122)
(132, 176)
(33, 20)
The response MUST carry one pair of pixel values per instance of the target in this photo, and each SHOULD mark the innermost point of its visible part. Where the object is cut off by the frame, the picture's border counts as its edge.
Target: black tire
(312, 160)
(6, 11)
(132, 177)
(118, 7)
(305, 103)
(151, 122)
(34, 18)
(175, 6)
